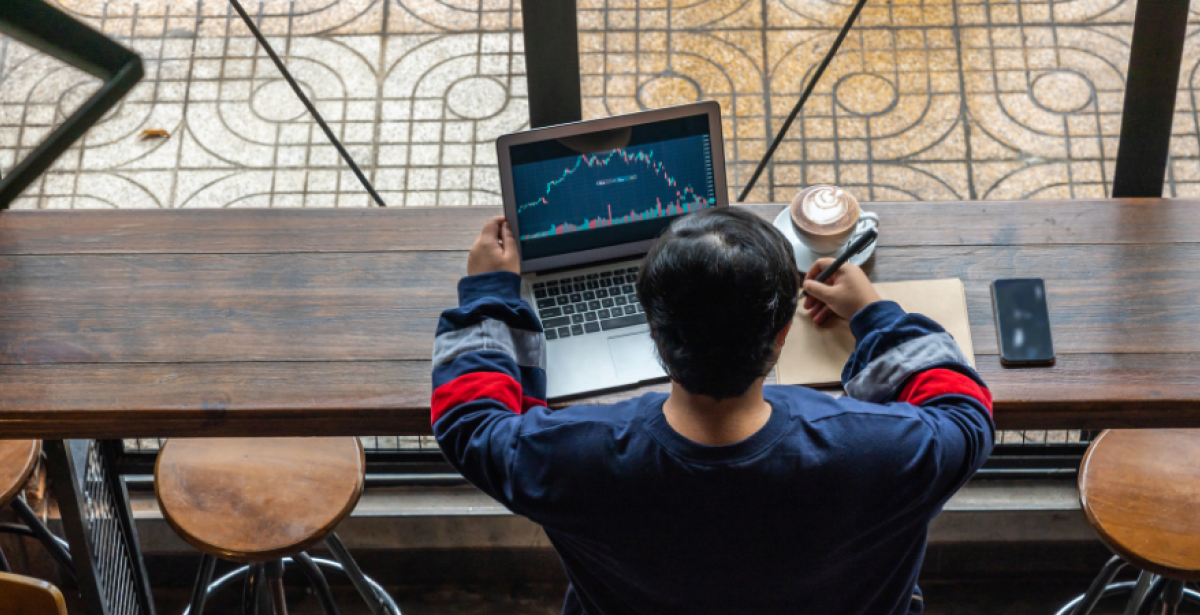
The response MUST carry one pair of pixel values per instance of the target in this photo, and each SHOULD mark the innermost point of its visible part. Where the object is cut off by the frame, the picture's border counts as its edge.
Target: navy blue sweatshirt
(825, 510)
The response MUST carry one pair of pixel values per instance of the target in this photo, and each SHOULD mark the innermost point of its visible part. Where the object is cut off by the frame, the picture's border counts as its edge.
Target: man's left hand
(495, 249)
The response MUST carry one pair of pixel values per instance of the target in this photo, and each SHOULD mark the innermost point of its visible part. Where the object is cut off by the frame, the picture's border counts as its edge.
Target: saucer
(805, 257)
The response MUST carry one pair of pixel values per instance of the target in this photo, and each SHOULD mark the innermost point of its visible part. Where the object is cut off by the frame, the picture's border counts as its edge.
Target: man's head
(718, 287)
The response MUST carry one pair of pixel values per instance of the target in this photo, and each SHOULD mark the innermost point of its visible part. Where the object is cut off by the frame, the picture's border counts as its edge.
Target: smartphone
(1023, 322)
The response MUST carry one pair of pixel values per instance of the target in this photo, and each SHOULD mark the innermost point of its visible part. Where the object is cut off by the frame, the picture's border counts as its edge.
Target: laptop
(586, 200)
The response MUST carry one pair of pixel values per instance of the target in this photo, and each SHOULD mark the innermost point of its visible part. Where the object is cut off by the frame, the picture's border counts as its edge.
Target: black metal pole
(42, 533)
(312, 109)
(808, 89)
(320, 586)
(1159, 29)
(65, 472)
(552, 61)
(208, 564)
(109, 451)
(58, 35)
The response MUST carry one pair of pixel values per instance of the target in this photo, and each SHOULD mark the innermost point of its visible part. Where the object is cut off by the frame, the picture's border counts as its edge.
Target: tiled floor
(928, 99)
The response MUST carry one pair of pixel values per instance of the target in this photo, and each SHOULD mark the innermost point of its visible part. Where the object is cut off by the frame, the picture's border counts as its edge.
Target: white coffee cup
(826, 217)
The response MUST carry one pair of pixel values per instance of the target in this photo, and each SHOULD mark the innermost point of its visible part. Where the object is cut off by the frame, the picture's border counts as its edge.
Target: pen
(859, 245)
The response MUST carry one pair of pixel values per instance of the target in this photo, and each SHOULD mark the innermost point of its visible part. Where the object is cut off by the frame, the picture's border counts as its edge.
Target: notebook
(815, 356)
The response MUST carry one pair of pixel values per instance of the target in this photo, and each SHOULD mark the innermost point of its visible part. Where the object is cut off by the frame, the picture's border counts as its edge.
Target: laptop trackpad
(635, 358)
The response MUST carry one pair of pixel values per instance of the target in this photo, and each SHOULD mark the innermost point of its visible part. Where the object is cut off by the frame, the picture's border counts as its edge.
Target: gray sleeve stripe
(881, 377)
(527, 348)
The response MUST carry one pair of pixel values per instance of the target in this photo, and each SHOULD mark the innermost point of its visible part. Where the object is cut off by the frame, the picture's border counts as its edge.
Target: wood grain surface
(257, 499)
(1140, 490)
(17, 460)
(267, 231)
(319, 322)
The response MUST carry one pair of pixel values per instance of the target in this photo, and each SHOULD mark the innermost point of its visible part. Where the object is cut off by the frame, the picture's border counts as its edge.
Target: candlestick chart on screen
(620, 186)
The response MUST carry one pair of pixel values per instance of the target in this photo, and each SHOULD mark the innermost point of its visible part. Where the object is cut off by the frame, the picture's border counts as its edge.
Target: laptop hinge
(578, 266)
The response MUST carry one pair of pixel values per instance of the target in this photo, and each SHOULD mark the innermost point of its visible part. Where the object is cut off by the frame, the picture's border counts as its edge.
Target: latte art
(825, 204)
(824, 218)
(824, 210)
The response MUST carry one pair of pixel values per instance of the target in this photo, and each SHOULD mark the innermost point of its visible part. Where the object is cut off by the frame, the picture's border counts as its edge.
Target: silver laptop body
(586, 201)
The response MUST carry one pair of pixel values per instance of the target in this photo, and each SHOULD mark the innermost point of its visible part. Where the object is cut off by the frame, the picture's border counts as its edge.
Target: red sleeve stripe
(937, 382)
(473, 386)
(531, 402)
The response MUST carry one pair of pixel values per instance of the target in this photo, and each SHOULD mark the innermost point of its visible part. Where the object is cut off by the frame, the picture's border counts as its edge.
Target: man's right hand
(845, 293)
(495, 249)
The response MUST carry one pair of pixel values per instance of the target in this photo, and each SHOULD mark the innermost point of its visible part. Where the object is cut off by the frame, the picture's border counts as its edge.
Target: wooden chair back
(21, 595)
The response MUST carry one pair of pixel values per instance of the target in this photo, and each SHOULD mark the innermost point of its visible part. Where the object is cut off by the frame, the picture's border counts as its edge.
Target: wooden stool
(1140, 490)
(17, 461)
(262, 502)
(28, 596)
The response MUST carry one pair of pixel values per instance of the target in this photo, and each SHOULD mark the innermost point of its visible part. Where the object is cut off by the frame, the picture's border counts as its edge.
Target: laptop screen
(572, 197)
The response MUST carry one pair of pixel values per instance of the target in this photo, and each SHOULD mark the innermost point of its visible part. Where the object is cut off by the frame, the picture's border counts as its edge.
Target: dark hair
(717, 287)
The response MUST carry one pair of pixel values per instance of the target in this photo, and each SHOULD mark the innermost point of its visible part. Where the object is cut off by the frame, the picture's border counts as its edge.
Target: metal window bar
(390, 444)
(425, 444)
(1032, 438)
(99, 526)
(409, 460)
(106, 540)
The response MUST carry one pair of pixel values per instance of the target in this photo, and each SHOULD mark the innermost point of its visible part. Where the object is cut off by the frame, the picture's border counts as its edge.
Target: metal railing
(417, 459)
(105, 538)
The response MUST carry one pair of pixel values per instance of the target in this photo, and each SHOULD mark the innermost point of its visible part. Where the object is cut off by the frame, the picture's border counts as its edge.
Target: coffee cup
(826, 217)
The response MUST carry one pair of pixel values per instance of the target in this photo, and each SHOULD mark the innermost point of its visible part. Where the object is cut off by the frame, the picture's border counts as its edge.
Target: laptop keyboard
(584, 304)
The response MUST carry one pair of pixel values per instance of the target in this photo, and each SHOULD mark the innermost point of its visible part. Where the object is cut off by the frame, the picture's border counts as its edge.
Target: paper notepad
(815, 356)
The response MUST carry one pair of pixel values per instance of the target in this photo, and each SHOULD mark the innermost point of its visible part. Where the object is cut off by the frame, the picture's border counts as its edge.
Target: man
(725, 496)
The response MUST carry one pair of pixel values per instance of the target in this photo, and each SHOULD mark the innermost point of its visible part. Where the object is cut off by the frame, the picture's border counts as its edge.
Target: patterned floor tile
(411, 16)
(676, 15)
(419, 112)
(889, 104)
(926, 100)
(1050, 97)
(446, 100)
(626, 72)
(187, 18)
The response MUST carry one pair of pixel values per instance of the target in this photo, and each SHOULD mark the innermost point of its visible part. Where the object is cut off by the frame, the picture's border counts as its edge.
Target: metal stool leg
(275, 587)
(317, 581)
(43, 535)
(342, 555)
(389, 605)
(21, 530)
(1172, 596)
(1096, 590)
(250, 590)
(208, 564)
(1152, 596)
(1118, 589)
(1141, 592)
(262, 592)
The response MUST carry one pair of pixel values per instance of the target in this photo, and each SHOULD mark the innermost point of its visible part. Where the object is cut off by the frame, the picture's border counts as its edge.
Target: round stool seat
(257, 499)
(1140, 490)
(17, 460)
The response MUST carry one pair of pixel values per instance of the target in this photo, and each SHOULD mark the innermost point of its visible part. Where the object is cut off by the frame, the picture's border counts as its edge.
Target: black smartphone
(1023, 322)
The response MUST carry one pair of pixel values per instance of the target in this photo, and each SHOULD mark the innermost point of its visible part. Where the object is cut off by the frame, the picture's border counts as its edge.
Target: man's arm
(908, 358)
(488, 366)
